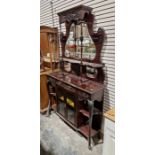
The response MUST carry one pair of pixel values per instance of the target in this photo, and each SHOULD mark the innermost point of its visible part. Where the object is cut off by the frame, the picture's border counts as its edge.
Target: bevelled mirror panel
(79, 41)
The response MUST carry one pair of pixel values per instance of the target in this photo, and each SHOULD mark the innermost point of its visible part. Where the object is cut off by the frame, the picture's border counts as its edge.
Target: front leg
(91, 107)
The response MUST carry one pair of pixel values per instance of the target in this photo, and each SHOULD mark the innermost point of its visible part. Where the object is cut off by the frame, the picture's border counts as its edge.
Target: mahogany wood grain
(49, 45)
(44, 98)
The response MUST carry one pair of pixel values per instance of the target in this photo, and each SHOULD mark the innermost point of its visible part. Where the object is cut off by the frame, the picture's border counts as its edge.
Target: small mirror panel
(67, 67)
(91, 72)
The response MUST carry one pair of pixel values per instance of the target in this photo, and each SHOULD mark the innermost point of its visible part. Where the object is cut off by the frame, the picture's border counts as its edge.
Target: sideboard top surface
(86, 85)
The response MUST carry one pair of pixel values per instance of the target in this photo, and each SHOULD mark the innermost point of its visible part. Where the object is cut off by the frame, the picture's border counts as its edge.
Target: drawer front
(79, 93)
(66, 86)
(83, 95)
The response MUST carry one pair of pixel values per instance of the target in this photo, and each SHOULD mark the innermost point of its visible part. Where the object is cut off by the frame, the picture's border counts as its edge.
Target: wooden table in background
(44, 97)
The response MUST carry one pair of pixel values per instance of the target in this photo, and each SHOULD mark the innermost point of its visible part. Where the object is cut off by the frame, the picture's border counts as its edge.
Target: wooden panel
(44, 98)
(46, 46)
(44, 43)
(49, 44)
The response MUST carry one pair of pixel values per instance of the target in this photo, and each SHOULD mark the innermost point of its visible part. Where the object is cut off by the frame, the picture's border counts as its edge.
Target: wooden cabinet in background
(49, 46)
(49, 60)
(44, 98)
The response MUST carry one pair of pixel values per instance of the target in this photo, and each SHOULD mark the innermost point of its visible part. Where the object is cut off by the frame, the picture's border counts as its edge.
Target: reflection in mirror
(89, 50)
(91, 72)
(70, 44)
(67, 66)
(75, 44)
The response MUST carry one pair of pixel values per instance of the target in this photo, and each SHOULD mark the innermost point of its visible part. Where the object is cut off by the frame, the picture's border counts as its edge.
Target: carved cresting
(76, 14)
(72, 18)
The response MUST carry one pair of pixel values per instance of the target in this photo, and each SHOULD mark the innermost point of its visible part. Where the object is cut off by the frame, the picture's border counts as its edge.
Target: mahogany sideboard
(79, 104)
(78, 86)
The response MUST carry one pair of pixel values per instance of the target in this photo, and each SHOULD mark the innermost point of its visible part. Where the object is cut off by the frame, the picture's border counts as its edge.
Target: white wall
(104, 11)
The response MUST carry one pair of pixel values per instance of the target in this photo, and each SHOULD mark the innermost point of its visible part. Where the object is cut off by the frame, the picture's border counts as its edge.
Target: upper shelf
(95, 65)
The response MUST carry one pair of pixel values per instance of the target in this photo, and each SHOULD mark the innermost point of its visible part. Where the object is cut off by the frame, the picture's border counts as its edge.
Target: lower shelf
(87, 114)
(85, 131)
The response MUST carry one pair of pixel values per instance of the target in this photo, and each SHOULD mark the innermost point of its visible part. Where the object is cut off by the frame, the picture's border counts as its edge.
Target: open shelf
(87, 113)
(95, 65)
(85, 131)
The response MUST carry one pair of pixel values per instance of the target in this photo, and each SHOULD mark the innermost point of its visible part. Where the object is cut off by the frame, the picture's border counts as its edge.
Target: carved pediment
(75, 14)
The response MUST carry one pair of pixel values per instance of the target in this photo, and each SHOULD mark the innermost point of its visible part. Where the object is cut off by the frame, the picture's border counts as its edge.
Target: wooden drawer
(66, 87)
(83, 95)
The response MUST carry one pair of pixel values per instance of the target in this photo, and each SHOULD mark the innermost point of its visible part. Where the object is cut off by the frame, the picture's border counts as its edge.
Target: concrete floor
(57, 138)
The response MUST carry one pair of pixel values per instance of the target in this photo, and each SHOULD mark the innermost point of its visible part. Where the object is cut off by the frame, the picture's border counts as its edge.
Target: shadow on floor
(44, 152)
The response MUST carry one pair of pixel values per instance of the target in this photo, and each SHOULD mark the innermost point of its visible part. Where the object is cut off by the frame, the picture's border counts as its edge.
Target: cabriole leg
(91, 106)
